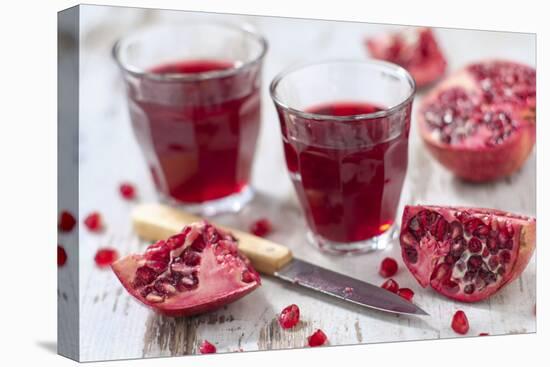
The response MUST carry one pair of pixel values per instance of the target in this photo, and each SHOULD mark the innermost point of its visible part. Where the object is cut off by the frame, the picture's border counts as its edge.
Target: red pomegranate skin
(192, 272)
(428, 257)
(472, 160)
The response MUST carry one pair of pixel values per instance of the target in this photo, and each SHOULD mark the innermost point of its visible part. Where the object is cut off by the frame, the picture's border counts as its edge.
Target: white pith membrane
(214, 264)
(482, 105)
(438, 251)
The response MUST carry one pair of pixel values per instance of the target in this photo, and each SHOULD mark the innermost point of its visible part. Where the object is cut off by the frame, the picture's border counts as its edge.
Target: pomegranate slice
(415, 49)
(480, 122)
(466, 254)
(195, 271)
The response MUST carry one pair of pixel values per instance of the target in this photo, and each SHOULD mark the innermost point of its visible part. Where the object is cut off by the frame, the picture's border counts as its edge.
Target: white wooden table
(114, 326)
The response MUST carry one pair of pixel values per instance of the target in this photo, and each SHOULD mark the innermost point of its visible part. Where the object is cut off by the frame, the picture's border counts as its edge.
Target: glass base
(229, 204)
(379, 242)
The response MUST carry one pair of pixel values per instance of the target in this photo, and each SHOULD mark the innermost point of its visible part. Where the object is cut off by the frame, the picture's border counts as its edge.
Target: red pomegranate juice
(198, 133)
(348, 174)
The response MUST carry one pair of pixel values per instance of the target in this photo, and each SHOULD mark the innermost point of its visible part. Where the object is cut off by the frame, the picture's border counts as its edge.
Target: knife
(155, 221)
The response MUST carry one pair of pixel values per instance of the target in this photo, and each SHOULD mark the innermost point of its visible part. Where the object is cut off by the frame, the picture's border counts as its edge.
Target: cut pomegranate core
(195, 271)
(388, 267)
(390, 285)
(105, 257)
(460, 323)
(66, 222)
(127, 190)
(93, 222)
(466, 254)
(317, 339)
(61, 256)
(415, 49)
(261, 227)
(289, 317)
(406, 293)
(480, 122)
(207, 348)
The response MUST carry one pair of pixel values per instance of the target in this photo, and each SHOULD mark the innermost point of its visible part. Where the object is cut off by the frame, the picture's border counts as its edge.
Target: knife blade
(156, 221)
(346, 288)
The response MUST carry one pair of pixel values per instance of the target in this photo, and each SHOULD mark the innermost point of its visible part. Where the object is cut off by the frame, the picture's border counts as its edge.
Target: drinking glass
(345, 127)
(193, 92)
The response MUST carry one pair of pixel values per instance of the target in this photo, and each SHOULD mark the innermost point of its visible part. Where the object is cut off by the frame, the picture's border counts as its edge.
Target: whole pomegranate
(415, 49)
(466, 254)
(480, 122)
(195, 271)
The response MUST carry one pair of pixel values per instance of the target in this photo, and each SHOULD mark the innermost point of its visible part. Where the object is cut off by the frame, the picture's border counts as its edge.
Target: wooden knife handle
(155, 221)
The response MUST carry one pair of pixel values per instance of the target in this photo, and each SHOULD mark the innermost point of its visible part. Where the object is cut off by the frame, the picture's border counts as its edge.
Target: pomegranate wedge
(480, 122)
(466, 254)
(195, 271)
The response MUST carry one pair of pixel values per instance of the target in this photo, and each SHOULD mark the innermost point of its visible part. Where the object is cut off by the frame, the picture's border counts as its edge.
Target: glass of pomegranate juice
(345, 128)
(194, 98)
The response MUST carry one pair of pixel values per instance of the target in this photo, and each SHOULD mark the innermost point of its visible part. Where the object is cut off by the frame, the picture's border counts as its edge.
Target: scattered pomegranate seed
(460, 323)
(127, 190)
(61, 256)
(207, 348)
(105, 257)
(317, 339)
(406, 293)
(289, 317)
(388, 267)
(93, 222)
(261, 227)
(390, 285)
(66, 222)
(483, 334)
(348, 291)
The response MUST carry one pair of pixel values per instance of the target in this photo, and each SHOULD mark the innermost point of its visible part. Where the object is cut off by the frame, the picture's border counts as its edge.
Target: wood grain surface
(114, 326)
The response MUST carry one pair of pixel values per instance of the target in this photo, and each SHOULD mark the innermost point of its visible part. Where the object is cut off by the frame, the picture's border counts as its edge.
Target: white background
(28, 325)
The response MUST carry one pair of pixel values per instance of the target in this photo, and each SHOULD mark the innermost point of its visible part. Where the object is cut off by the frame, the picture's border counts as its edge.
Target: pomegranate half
(466, 254)
(195, 271)
(415, 49)
(480, 122)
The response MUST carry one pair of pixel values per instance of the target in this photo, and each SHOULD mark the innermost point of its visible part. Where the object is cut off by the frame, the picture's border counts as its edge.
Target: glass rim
(396, 69)
(205, 75)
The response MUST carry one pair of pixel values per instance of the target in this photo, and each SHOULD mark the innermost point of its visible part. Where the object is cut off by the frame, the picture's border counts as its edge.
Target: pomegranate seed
(460, 323)
(61, 256)
(388, 267)
(93, 222)
(289, 317)
(127, 190)
(261, 227)
(317, 339)
(390, 285)
(406, 293)
(483, 334)
(105, 257)
(207, 348)
(66, 222)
